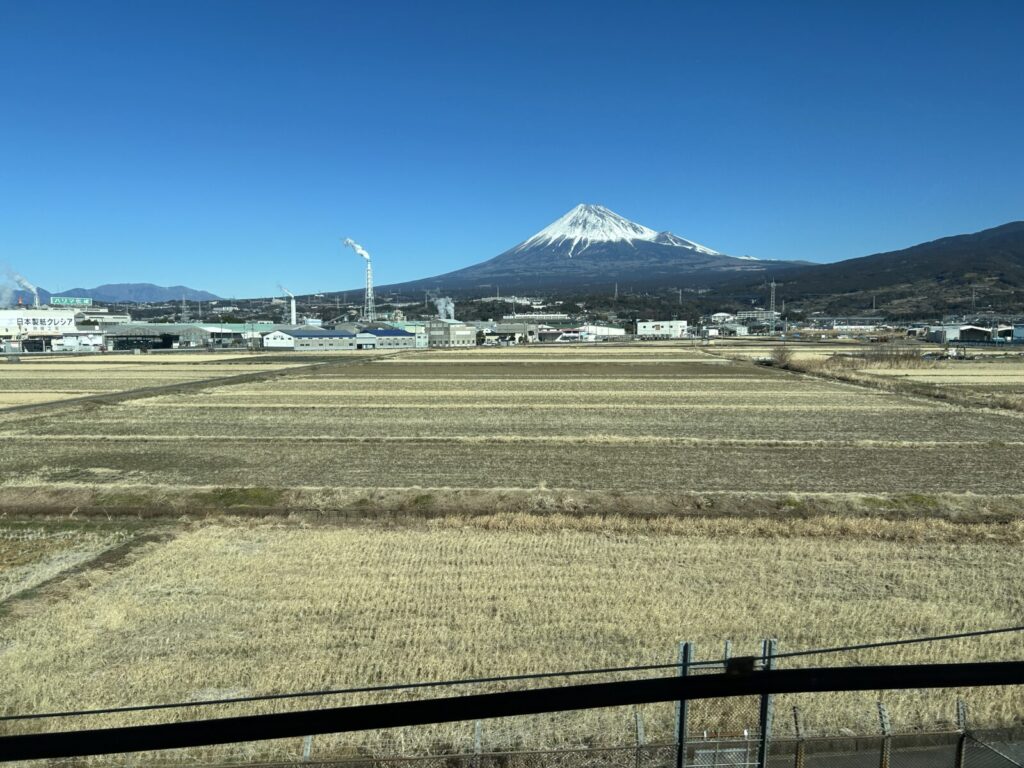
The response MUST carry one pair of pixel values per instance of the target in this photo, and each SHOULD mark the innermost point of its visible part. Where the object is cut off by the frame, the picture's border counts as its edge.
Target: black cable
(338, 692)
(887, 643)
(496, 679)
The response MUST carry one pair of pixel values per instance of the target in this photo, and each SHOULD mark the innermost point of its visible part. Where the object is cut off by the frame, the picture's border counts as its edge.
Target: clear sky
(229, 146)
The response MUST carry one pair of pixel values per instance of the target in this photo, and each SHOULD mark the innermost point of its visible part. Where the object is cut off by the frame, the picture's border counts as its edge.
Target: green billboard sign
(69, 301)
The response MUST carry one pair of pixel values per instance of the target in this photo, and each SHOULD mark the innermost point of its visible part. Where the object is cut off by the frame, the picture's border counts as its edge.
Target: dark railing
(743, 680)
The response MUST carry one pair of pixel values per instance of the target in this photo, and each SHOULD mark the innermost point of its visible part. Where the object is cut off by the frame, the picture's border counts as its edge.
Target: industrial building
(662, 329)
(19, 323)
(323, 340)
(320, 340)
(178, 336)
(446, 334)
(386, 338)
(945, 334)
(418, 330)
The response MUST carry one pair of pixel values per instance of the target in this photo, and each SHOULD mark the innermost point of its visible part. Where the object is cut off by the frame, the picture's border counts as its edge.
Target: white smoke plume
(20, 280)
(357, 248)
(22, 283)
(445, 308)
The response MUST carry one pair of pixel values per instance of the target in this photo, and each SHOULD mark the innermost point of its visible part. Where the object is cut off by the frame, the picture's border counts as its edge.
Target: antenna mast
(771, 311)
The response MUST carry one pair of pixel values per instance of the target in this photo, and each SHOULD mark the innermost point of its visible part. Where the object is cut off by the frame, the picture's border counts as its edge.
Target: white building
(385, 338)
(450, 333)
(278, 340)
(662, 329)
(80, 341)
(419, 330)
(722, 317)
(599, 332)
(36, 323)
(317, 340)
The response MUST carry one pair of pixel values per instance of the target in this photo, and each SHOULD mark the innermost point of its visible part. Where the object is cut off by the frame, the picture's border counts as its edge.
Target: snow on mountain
(586, 225)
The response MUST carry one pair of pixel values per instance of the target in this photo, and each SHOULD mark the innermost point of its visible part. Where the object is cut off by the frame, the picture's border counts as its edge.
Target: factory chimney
(369, 307)
(291, 296)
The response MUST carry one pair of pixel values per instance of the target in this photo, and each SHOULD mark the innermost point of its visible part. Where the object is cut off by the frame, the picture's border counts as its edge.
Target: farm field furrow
(893, 423)
(602, 466)
(48, 379)
(33, 554)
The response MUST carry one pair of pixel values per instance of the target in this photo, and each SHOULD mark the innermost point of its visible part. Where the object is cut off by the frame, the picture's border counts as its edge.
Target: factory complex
(59, 329)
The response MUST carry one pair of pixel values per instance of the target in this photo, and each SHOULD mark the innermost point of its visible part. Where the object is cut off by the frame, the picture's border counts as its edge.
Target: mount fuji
(592, 246)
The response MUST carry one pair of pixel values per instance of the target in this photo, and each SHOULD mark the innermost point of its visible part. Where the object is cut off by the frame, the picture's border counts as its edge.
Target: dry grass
(283, 608)
(48, 379)
(514, 510)
(32, 555)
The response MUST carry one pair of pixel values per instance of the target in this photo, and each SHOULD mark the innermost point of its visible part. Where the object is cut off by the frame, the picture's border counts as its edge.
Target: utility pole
(771, 310)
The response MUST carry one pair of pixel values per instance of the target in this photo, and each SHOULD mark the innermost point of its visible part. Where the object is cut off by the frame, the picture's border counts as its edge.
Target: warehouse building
(385, 338)
(662, 329)
(320, 340)
(177, 336)
(446, 334)
(418, 330)
(279, 339)
(35, 329)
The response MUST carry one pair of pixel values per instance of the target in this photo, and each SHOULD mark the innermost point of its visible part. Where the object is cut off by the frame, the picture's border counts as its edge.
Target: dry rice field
(626, 498)
(46, 379)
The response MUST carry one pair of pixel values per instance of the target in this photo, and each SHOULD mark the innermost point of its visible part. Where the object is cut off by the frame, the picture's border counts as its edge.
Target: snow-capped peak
(585, 225)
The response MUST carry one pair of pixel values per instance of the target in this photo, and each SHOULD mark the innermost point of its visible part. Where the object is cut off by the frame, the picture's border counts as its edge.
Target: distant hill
(928, 278)
(139, 292)
(591, 246)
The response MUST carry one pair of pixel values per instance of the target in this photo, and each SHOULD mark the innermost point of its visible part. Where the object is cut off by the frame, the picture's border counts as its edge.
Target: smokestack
(292, 297)
(369, 307)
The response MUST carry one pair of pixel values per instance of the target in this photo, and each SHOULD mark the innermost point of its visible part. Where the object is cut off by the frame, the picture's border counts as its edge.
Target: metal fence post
(640, 736)
(961, 725)
(768, 648)
(307, 748)
(682, 706)
(478, 742)
(883, 719)
(799, 759)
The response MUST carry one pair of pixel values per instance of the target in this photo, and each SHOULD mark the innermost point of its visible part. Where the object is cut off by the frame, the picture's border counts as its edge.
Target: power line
(495, 679)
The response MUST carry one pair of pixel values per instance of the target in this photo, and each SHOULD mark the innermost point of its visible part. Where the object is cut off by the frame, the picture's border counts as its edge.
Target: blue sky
(230, 145)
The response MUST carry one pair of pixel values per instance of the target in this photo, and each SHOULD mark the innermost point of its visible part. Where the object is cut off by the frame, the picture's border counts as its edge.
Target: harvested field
(285, 608)
(33, 554)
(48, 379)
(493, 512)
(590, 418)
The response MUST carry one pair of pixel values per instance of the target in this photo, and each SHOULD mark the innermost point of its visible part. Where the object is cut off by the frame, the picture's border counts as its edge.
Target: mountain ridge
(592, 246)
(938, 274)
(120, 293)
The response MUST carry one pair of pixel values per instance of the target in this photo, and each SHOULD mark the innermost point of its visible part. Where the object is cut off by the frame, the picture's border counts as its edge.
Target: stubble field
(436, 515)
